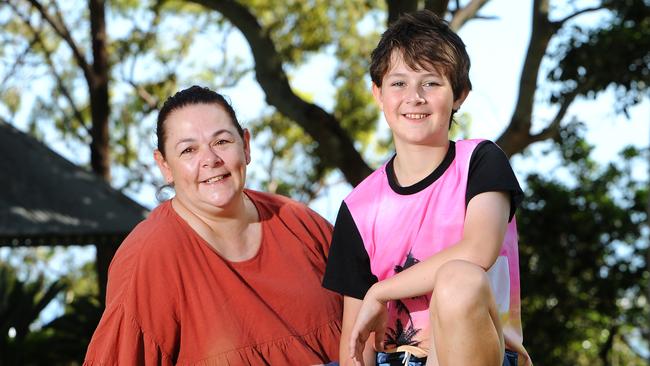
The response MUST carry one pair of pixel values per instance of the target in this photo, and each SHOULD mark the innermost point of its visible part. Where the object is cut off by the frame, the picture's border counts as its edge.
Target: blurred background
(562, 86)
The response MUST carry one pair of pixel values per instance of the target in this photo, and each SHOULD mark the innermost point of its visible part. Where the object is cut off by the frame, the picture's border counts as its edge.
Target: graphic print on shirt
(399, 335)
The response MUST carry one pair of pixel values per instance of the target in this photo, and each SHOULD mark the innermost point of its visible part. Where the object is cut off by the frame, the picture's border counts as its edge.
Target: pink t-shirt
(400, 228)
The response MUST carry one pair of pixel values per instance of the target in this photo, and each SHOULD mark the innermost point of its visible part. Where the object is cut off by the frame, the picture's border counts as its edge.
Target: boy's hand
(371, 318)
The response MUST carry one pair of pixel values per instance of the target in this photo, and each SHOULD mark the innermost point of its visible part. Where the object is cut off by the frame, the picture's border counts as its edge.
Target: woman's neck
(234, 233)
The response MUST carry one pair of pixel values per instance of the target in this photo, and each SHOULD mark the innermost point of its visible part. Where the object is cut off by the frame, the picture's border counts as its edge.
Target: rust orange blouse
(171, 299)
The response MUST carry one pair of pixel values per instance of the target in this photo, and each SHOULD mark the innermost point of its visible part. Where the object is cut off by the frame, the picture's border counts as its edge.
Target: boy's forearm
(350, 310)
(485, 226)
(419, 279)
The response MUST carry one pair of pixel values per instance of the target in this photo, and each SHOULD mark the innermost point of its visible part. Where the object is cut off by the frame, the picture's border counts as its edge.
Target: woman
(218, 275)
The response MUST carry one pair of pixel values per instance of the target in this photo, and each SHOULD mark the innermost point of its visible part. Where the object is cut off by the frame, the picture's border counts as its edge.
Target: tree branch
(19, 62)
(64, 91)
(437, 6)
(399, 7)
(151, 100)
(553, 129)
(462, 15)
(517, 136)
(579, 12)
(64, 33)
(335, 147)
(48, 60)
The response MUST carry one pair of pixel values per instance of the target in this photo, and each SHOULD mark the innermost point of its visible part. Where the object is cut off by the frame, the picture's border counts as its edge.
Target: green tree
(277, 34)
(282, 36)
(21, 302)
(582, 258)
(92, 96)
(101, 81)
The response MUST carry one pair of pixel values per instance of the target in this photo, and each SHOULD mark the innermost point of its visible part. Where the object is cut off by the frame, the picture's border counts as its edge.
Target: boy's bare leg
(432, 357)
(464, 318)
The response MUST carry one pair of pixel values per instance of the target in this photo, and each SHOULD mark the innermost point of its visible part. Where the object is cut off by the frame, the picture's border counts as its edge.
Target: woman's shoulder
(271, 199)
(287, 214)
(150, 247)
(158, 229)
(275, 204)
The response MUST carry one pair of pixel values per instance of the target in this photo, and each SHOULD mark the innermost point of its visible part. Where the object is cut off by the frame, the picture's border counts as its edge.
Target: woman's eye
(187, 150)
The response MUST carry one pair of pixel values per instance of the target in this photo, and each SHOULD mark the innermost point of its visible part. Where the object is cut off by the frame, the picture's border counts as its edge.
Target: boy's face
(417, 104)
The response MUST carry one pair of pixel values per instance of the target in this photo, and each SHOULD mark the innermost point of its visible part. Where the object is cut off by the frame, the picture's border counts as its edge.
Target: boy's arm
(486, 221)
(350, 310)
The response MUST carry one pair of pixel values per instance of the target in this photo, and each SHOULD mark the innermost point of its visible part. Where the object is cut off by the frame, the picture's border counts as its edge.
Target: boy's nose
(415, 96)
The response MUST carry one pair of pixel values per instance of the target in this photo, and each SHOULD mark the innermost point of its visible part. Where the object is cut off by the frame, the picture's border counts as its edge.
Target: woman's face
(205, 157)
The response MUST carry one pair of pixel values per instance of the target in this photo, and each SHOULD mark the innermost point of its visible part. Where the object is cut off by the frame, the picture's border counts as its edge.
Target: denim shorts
(397, 359)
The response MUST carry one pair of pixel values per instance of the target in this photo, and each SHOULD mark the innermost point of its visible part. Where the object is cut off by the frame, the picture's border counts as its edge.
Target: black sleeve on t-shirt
(348, 265)
(490, 171)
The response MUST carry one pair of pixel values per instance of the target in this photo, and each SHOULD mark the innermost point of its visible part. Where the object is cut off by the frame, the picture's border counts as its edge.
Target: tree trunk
(100, 111)
(517, 136)
(399, 7)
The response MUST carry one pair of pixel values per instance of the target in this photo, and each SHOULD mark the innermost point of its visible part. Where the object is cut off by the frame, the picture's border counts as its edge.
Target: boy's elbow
(482, 258)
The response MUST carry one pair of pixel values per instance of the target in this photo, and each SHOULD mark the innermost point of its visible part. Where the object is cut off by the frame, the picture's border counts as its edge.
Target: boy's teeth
(415, 115)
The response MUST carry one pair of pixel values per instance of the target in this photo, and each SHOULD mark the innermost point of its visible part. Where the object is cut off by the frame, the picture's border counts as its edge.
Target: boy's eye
(398, 83)
(221, 142)
(187, 150)
(431, 83)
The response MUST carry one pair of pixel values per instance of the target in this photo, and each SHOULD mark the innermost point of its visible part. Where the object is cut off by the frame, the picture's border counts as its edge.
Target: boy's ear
(461, 99)
(376, 92)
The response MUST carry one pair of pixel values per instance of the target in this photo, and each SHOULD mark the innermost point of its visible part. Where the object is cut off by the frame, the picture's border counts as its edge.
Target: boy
(424, 250)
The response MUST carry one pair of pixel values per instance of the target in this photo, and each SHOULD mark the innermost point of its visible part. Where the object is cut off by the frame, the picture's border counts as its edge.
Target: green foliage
(65, 339)
(581, 251)
(297, 27)
(20, 305)
(291, 166)
(26, 288)
(355, 108)
(615, 54)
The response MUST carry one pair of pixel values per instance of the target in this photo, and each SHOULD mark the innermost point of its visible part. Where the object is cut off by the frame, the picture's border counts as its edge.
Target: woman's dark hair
(190, 96)
(424, 40)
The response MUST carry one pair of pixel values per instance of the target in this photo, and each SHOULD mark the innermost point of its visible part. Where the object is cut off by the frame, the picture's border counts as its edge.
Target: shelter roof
(47, 200)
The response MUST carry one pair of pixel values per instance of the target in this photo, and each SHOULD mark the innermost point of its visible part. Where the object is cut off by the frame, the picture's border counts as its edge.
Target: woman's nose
(210, 158)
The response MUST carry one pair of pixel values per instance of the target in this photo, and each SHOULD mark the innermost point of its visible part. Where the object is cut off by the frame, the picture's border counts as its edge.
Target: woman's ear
(247, 145)
(165, 170)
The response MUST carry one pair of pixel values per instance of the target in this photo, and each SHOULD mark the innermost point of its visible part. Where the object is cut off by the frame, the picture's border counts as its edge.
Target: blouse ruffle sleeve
(119, 340)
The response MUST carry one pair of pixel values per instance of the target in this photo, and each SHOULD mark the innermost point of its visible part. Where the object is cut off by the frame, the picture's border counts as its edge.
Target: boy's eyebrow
(401, 74)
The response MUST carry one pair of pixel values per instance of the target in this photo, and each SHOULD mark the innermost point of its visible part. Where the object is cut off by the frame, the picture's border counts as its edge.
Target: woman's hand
(372, 318)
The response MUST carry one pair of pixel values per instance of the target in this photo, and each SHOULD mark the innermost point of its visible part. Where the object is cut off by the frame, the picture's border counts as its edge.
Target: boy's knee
(460, 287)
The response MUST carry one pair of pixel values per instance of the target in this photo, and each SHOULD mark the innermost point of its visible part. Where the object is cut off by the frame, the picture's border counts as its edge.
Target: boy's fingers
(379, 341)
(357, 343)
